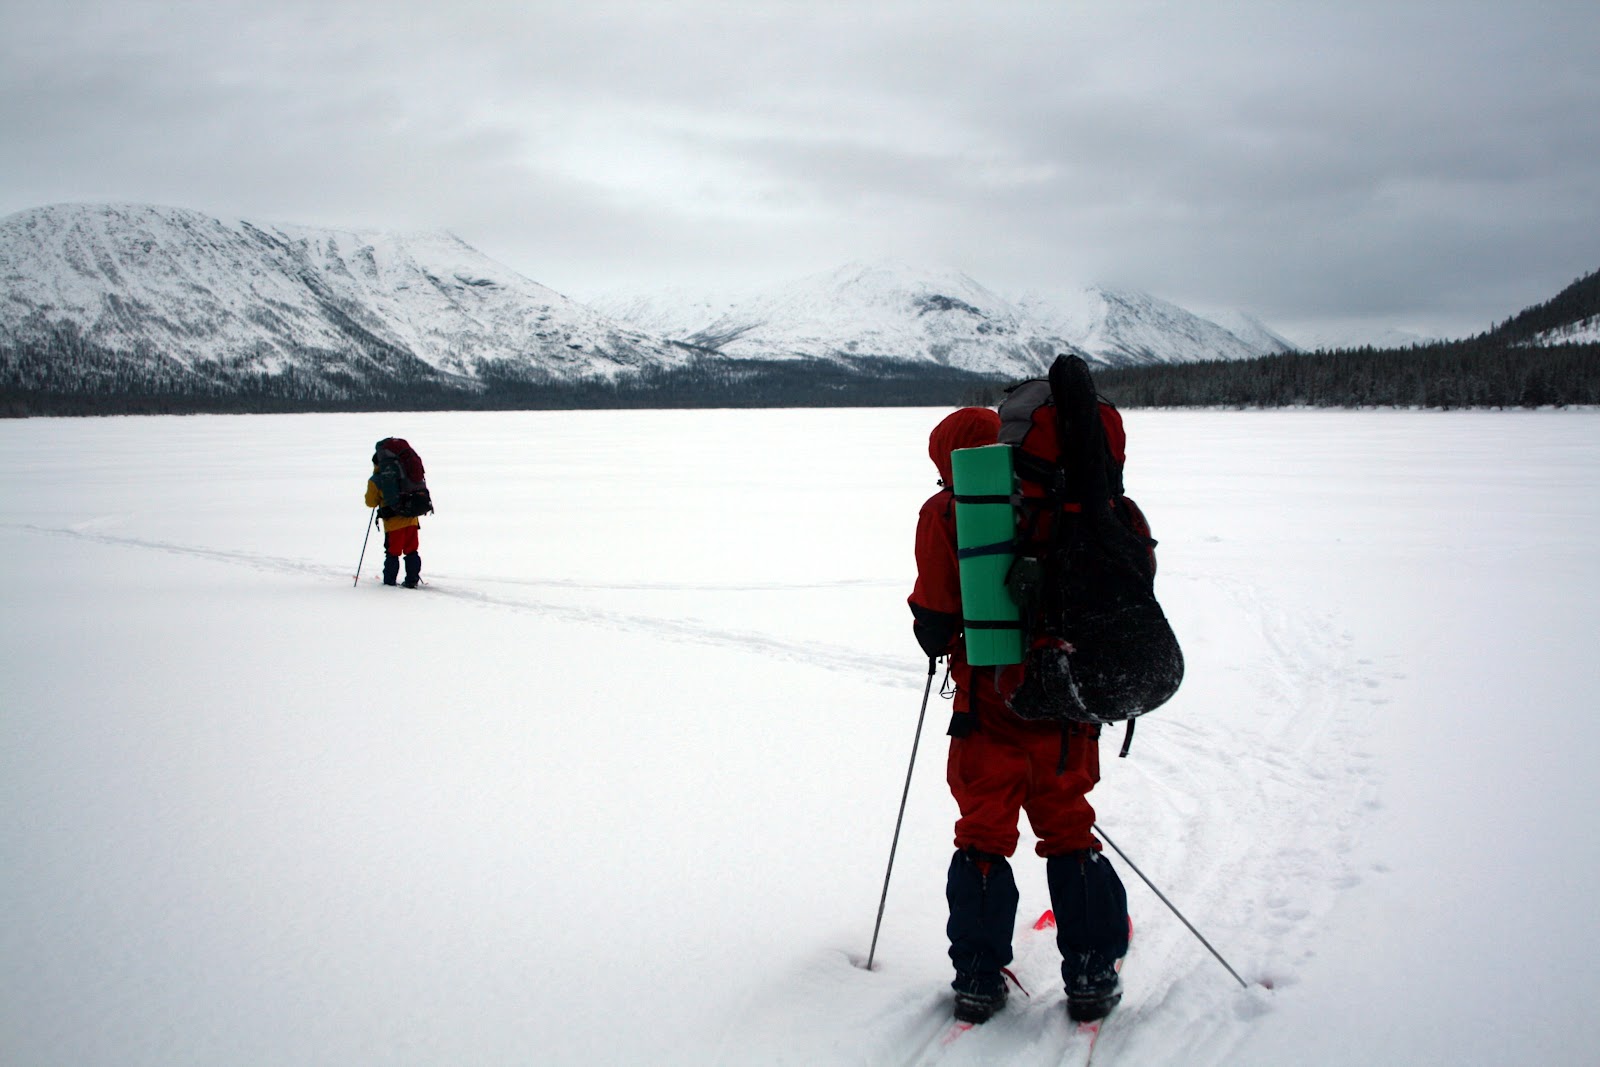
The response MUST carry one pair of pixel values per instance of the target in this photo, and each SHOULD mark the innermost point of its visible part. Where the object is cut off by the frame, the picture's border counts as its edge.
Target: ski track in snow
(1269, 793)
(1266, 793)
(881, 670)
(1276, 787)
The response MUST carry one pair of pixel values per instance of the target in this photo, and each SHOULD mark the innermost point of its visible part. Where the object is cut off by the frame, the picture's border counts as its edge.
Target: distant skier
(1000, 765)
(399, 491)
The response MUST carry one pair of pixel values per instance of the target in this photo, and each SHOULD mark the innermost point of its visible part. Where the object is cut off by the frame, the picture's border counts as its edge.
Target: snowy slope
(1252, 331)
(633, 799)
(1584, 331)
(677, 312)
(179, 285)
(863, 311)
(893, 310)
(1124, 327)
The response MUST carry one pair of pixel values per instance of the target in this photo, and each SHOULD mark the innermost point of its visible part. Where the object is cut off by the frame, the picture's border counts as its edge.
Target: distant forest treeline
(1482, 373)
(1577, 303)
(1498, 369)
(69, 375)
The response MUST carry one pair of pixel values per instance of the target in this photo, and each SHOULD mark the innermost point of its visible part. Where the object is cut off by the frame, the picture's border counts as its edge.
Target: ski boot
(1093, 987)
(979, 997)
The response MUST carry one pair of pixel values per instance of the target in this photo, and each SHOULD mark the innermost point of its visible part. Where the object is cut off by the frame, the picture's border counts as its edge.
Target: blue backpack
(400, 479)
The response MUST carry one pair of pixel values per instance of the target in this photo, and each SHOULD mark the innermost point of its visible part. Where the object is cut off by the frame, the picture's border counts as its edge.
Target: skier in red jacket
(999, 766)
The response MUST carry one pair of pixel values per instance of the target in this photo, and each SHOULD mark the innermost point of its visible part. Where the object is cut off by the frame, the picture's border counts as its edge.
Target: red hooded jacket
(936, 598)
(998, 763)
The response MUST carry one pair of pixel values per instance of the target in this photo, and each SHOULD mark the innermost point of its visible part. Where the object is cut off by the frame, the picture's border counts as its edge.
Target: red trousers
(402, 541)
(1007, 766)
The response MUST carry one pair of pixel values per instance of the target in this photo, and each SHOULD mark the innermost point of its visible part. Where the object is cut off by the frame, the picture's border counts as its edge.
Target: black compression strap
(1031, 468)
(996, 549)
(993, 499)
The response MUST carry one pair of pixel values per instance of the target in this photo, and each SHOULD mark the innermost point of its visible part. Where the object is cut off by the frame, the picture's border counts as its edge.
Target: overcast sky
(1429, 166)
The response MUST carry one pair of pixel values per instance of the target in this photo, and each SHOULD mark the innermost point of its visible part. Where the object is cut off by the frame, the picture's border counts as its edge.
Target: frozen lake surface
(618, 786)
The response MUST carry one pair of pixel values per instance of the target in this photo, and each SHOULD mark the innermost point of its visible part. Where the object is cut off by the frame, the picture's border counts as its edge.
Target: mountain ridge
(943, 317)
(205, 293)
(177, 290)
(113, 306)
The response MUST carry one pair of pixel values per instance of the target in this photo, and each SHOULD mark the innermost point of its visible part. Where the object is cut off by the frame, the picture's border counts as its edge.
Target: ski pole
(1169, 904)
(904, 793)
(364, 541)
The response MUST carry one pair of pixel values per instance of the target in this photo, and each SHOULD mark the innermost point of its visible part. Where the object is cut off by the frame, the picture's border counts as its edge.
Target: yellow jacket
(393, 522)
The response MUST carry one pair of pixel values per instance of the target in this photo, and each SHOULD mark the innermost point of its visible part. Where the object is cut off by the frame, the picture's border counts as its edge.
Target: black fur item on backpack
(1100, 647)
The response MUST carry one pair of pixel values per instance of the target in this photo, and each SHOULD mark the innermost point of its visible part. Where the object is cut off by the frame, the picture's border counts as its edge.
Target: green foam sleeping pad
(985, 544)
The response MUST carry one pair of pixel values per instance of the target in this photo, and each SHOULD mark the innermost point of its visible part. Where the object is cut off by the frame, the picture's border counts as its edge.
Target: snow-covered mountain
(1252, 331)
(1122, 327)
(1352, 338)
(171, 286)
(857, 313)
(894, 311)
(106, 298)
(672, 311)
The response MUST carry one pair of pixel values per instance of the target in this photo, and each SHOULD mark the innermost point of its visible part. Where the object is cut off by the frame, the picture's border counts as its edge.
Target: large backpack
(1099, 647)
(401, 479)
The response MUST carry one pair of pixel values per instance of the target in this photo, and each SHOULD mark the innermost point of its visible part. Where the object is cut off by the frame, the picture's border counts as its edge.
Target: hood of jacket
(962, 428)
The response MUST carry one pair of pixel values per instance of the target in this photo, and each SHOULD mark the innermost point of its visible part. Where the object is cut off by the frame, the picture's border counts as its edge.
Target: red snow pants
(1007, 766)
(403, 541)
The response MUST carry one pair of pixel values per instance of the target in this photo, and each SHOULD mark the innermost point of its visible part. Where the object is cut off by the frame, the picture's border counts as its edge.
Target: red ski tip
(1047, 921)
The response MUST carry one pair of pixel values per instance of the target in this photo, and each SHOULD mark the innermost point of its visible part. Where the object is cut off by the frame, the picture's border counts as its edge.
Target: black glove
(934, 630)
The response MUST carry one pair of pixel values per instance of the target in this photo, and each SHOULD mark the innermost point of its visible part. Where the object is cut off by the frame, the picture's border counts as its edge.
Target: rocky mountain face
(166, 289)
(100, 298)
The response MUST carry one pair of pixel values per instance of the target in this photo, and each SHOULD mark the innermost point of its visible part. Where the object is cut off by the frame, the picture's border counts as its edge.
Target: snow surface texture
(618, 785)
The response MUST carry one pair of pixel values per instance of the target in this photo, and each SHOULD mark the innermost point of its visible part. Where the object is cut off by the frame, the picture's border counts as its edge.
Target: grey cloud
(1431, 161)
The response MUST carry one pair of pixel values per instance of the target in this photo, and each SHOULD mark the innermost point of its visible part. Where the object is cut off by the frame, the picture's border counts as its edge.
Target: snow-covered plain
(618, 786)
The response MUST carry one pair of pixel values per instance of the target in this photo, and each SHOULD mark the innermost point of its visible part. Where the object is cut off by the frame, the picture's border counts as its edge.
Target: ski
(950, 1043)
(934, 1049)
(956, 1029)
(1088, 1033)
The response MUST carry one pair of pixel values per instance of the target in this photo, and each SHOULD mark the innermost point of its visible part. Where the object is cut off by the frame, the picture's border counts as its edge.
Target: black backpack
(400, 479)
(1100, 648)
